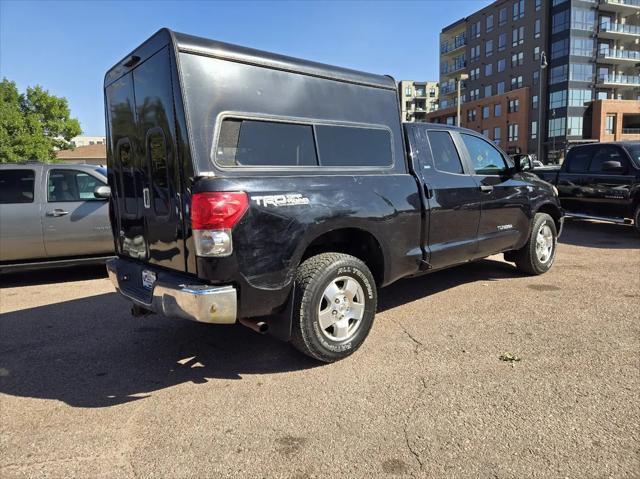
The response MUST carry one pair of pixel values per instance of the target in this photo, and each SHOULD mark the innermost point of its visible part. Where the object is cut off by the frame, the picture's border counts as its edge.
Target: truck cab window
(265, 143)
(603, 154)
(71, 185)
(16, 186)
(485, 158)
(578, 160)
(444, 153)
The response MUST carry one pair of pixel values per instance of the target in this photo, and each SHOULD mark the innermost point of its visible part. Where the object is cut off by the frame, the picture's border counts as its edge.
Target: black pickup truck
(599, 181)
(281, 194)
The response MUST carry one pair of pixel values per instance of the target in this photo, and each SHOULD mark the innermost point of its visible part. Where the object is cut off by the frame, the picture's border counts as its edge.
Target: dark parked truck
(279, 193)
(599, 181)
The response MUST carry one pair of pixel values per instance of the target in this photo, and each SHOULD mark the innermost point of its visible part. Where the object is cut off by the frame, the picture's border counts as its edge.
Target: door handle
(57, 213)
(428, 192)
(486, 188)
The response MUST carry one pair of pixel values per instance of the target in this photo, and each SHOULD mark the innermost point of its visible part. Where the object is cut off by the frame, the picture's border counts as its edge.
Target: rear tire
(538, 255)
(636, 219)
(335, 303)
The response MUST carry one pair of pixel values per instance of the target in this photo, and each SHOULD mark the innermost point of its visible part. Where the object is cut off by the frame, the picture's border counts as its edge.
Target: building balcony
(620, 6)
(618, 31)
(448, 49)
(454, 69)
(618, 57)
(620, 81)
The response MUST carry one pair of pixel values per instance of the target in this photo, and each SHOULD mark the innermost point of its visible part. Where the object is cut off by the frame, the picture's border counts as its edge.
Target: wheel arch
(553, 211)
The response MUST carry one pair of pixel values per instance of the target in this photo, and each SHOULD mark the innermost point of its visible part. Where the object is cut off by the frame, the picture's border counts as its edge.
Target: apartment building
(570, 53)
(417, 99)
(501, 118)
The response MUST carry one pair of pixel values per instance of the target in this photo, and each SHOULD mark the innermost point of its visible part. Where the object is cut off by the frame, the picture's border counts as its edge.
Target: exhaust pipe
(258, 326)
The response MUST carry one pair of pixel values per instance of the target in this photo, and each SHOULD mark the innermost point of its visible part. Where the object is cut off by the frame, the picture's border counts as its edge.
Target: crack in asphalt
(418, 346)
(412, 410)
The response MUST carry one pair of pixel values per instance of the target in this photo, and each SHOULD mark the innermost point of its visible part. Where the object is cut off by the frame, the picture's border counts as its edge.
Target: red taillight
(217, 210)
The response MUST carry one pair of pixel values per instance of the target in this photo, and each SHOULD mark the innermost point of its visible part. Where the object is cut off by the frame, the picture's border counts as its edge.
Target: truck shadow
(90, 353)
(52, 275)
(595, 234)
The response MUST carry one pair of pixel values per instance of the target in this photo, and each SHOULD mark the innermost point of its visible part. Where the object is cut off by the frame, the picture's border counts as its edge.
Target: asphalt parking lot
(88, 391)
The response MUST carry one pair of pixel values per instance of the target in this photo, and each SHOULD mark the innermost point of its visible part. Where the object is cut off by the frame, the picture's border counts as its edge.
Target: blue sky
(67, 46)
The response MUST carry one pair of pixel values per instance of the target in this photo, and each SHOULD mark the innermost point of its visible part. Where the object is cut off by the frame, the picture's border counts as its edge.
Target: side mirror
(612, 165)
(523, 163)
(102, 192)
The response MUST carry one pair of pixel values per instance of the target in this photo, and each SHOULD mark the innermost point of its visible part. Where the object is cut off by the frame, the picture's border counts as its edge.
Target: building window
(557, 127)
(496, 135)
(558, 74)
(534, 130)
(536, 28)
(489, 23)
(485, 133)
(536, 53)
(516, 82)
(502, 42)
(497, 110)
(518, 9)
(583, 19)
(407, 91)
(488, 48)
(475, 29)
(488, 69)
(534, 101)
(502, 16)
(475, 52)
(474, 94)
(610, 124)
(487, 91)
(502, 64)
(581, 72)
(560, 48)
(538, 5)
(560, 21)
(514, 105)
(558, 99)
(517, 36)
(574, 126)
(500, 88)
(485, 112)
(513, 132)
(471, 115)
(517, 59)
(582, 47)
(536, 77)
(474, 74)
(578, 97)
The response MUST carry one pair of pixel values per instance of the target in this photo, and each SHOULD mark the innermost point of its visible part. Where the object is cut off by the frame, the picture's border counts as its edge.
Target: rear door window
(578, 159)
(444, 153)
(17, 186)
(353, 146)
(265, 143)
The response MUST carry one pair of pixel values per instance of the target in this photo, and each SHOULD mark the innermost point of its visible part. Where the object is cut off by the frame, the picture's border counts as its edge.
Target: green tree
(33, 125)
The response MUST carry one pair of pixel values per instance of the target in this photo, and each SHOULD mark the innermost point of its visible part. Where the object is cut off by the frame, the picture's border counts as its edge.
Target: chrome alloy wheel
(544, 244)
(341, 308)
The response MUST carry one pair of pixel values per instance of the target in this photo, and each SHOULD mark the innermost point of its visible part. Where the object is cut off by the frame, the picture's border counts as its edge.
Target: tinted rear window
(16, 186)
(445, 155)
(634, 152)
(353, 146)
(265, 143)
(579, 159)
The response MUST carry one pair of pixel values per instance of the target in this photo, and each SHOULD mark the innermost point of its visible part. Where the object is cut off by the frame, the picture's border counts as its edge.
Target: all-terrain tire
(313, 278)
(531, 260)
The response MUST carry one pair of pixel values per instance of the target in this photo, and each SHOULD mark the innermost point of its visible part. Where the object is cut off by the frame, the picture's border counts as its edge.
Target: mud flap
(280, 323)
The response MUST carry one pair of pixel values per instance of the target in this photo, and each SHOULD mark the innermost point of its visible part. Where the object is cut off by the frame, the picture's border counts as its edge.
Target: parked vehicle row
(53, 215)
(233, 203)
(599, 181)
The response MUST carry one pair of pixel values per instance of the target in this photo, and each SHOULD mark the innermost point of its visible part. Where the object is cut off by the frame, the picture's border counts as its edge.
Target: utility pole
(543, 66)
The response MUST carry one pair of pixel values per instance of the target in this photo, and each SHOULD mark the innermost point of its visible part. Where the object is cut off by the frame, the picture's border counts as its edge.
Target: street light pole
(463, 76)
(543, 65)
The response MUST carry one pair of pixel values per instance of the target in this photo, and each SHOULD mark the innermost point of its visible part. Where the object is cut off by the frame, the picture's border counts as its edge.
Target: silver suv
(53, 215)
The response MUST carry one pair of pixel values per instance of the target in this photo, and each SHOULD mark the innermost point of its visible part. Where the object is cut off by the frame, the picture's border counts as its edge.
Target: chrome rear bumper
(172, 297)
